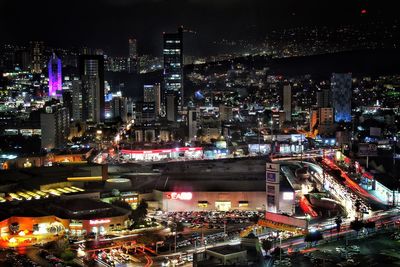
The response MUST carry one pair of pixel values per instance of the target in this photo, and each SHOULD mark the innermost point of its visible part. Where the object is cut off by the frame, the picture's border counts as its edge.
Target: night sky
(108, 23)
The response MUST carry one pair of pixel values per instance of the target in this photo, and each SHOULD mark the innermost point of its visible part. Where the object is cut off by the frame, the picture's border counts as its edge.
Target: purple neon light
(55, 78)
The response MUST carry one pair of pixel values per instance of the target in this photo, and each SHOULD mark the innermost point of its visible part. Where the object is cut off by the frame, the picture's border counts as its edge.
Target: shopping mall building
(33, 222)
(221, 195)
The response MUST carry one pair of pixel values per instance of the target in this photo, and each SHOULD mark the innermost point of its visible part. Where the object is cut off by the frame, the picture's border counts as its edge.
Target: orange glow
(85, 178)
(348, 181)
(306, 207)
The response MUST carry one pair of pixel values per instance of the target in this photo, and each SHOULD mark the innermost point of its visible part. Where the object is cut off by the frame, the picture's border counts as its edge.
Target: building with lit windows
(173, 73)
(54, 125)
(91, 69)
(133, 61)
(341, 96)
(55, 77)
(38, 223)
(152, 94)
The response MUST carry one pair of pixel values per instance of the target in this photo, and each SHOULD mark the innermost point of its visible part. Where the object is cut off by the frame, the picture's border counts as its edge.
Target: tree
(67, 255)
(121, 204)
(313, 237)
(369, 225)
(338, 222)
(179, 227)
(356, 225)
(266, 244)
(255, 218)
(140, 213)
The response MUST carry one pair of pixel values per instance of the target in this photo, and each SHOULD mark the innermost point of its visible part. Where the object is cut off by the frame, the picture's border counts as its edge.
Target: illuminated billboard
(180, 195)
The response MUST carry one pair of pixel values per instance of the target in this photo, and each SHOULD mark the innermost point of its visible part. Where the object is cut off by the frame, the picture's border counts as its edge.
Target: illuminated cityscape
(199, 133)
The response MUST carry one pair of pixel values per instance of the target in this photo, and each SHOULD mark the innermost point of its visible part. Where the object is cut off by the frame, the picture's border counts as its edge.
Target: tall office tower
(171, 107)
(119, 107)
(287, 102)
(325, 121)
(54, 124)
(55, 77)
(91, 69)
(67, 101)
(173, 71)
(192, 123)
(152, 93)
(133, 60)
(37, 53)
(341, 96)
(23, 59)
(76, 100)
(324, 98)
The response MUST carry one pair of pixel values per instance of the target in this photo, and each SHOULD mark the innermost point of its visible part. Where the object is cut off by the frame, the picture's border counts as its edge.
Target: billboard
(374, 131)
(284, 219)
(271, 177)
(367, 150)
(272, 167)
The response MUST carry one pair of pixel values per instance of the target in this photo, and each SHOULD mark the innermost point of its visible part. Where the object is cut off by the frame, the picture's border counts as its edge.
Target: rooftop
(227, 249)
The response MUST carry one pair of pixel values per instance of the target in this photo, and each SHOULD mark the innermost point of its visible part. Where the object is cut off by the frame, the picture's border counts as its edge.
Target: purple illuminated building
(55, 78)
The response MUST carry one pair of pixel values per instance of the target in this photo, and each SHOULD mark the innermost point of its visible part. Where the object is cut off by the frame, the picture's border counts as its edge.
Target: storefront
(221, 201)
(163, 154)
(25, 231)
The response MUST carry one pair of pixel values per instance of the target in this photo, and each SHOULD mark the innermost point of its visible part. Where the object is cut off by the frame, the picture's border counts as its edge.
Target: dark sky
(108, 23)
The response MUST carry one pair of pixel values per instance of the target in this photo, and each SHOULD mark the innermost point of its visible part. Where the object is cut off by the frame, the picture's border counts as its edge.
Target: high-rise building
(67, 101)
(119, 107)
(152, 93)
(287, 102)
(172, 107)
(91, 68)
(192, 123)
(325, 121)
(324, 98)
(341, 96)
(173, 71)
(37, 54)
(76, 100)
(23, 59)
(54, 124)
(133, 60)
(55, 77)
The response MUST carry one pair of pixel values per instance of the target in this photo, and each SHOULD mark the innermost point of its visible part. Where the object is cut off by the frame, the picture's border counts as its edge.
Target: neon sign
(95, 222)
(180, 196)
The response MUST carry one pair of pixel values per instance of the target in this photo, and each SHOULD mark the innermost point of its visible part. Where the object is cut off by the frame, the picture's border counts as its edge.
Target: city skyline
(199, 133)
(83, 23)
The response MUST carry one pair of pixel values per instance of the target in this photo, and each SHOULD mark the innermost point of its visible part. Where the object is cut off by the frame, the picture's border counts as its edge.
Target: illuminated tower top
(55, 78)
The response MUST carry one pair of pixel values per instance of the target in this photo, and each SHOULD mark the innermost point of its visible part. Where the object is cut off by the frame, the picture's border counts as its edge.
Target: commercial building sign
(365, 149)
(180, 195)
(272, 167)
(100, 221)
(272, 186)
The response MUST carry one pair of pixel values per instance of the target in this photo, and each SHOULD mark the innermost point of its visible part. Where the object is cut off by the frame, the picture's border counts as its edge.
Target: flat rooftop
(227, 249)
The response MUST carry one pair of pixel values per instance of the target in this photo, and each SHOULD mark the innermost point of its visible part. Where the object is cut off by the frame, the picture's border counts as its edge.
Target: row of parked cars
(14, 259)
(195, 218)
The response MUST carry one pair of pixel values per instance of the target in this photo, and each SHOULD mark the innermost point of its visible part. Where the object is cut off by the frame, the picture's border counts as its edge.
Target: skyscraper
(119, 107)
(91, 69)
(341, 96)
(152, 93)
(37, 53)
(173, 72)
(76, 100)
(287, 102)
(324, 99)
(55, 78)
(54, 124)
(132, 56)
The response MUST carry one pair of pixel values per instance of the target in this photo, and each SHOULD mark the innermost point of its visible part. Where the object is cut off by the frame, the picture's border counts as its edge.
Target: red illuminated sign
(157, 151)
(95, 222)
(180, 195)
